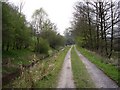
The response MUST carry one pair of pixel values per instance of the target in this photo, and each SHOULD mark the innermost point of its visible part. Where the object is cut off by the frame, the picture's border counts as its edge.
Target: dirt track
(99, 78)
(66, 77)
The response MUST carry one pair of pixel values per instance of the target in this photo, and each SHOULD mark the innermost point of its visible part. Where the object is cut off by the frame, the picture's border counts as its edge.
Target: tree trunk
(111, 42)
(97, 26)
(7, 47)
(89, 22)
(101, 25)
(106, 47)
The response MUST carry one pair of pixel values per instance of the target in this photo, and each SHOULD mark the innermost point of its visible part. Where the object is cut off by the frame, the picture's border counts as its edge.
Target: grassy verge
(16, 56)
(42, 75)
(12, 59)
(51, 80)
(109, 69)
(81, 76)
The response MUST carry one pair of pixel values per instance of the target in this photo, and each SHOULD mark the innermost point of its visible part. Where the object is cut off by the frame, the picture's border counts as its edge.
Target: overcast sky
(59, 11)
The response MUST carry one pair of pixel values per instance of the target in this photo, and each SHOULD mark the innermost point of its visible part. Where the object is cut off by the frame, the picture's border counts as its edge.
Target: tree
(94, 25)
(49, 33)
(68, 36)
(16, 33)
(45, 29)
(39, 17)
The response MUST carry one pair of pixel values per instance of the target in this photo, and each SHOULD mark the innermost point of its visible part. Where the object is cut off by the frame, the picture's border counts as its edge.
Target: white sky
(59, 11)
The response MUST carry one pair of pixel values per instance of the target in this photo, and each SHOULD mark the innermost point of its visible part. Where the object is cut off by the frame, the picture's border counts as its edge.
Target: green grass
(108, 68)
(43, 75)
(17, 56)
(81, 76)
(14, 53)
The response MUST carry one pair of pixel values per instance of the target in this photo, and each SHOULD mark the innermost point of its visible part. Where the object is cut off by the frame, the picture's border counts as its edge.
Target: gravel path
(99, 78)
(66, 77)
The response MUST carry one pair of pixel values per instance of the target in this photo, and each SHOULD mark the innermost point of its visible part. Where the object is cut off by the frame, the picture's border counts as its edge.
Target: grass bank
(16, 56)
(44, 74)
(51, 80)
(107, 68)
(11, 60)
(81, 76)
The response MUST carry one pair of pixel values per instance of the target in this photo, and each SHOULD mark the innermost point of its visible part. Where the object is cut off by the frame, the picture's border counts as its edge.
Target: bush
(42, 46)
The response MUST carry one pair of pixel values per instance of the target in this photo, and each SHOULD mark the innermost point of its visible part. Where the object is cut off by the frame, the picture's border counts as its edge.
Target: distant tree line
(95, 26)
(38, 35)
(69, 39)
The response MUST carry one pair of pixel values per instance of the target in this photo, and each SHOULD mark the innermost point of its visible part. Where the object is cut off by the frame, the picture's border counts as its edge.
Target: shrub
(42, 46)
